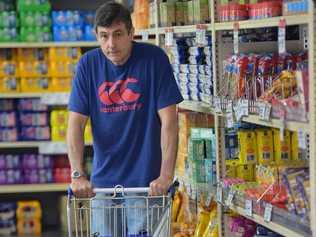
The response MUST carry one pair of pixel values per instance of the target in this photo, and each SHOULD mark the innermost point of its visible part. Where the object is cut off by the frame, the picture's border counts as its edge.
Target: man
(129, 92)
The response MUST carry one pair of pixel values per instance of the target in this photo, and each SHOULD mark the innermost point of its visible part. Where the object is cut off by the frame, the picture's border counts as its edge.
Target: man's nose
(111, 42)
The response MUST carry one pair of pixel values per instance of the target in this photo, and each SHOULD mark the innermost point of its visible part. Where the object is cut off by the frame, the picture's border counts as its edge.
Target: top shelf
(49, 44)
(262, 23)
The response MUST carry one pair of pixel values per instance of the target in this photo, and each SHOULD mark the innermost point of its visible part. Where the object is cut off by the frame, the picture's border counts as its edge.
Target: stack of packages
(59, 121)
(201, 165)
(37, 169)
(7, 219)
(192, 68)
(140, 15)
(10, 170)
(29, 215)
(62, 67)
(35, 20)
(61, 169)
(185, 168)
(8, 71)
(8, 22)
(33, 120)
(73, 25)
(8, 121)
(33, 70)
(179, 12)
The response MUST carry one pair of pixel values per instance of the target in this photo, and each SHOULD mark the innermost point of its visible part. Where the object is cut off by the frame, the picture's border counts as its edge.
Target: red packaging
(265, 9)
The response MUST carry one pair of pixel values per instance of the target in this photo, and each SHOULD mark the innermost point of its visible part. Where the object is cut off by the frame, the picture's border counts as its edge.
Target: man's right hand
(82, 188)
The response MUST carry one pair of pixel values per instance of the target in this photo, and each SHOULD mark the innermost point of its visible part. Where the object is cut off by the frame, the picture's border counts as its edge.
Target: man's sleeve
(79, 96)
(167, 90)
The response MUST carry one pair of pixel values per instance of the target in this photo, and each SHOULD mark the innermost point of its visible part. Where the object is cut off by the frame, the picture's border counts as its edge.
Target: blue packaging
(67, 18)
(88, 17)
(88, 33)
(67, 33)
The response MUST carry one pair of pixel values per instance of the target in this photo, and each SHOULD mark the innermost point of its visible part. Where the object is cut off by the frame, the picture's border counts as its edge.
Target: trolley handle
(120, 189)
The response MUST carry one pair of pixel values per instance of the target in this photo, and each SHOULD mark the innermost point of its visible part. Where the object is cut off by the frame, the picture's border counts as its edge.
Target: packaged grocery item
(7, 105)
(64, 53)
(265, 9)
(247, 147)
(8, 69)
(33, 118)
(59, 133)
(167, 13)
(8, 134)
(61, 84)
(8, 119)
(265, 146)
(59, 118)
(35, 133)
(282, 149)
(201, 11)
(34, 161)
(33, 69)
(299, 156)
(9, 162)
(37, 84)
(245, 172)
(293, 7)
(31, 105)
(62, 69)
(233, 12)
(32, 54)
(9, 84)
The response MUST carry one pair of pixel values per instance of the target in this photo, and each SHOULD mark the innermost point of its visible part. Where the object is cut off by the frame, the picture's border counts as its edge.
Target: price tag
(229, 106)
(305, 37)
(264, 111)
(55, 99)
(230, 198)
(219, 193)
(230, 119)
(302, 139)
(281, 36)
(244, 106)
(201, 35)
(217, 105)
(51, 148)
(145, 36)
(169, 37)
(267, 212)
(248, 207)
(236, 38)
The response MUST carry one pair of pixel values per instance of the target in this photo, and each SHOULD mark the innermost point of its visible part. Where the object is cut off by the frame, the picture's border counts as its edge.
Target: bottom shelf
(44, 234)
(32, 188)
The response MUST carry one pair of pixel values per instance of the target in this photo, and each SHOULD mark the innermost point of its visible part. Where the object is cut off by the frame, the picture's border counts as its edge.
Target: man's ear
(132, 32)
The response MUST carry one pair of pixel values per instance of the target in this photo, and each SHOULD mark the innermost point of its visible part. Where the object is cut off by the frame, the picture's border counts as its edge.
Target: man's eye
(118, 34)
(103, 37)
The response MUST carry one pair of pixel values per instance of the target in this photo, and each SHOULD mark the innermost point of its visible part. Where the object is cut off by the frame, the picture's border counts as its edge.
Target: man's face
(115, 42)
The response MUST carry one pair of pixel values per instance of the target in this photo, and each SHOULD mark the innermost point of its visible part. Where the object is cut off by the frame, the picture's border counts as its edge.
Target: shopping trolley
(108, 214)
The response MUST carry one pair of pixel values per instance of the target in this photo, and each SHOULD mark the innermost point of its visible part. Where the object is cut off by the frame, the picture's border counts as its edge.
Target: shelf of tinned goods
(182, 29)
(262, 23)
(31, 188)
(49, 44)
(281, 220)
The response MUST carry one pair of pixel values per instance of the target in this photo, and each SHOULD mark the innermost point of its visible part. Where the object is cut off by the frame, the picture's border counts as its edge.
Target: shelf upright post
(312, 111)
(219, 128)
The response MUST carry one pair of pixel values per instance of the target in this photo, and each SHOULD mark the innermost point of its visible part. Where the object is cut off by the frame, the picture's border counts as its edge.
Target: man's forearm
(75, 143)
(169, 146)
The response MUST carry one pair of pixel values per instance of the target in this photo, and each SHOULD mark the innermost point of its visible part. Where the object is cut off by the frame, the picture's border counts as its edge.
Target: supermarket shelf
(196, 106)
(49, 44)
(277, 123)
(19, 95)
(270, 225)
(34, 144)
(270, 22)
(150, 31)
(182, 29)
(31, 188)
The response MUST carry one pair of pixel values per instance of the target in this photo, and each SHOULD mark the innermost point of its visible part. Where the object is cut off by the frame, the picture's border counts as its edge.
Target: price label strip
(281, 36)
(236, 38)
(248, 207)
(267, 212)
(264, 111)
(169, 37)
(230, 119)
(230, 198)
(219, 194)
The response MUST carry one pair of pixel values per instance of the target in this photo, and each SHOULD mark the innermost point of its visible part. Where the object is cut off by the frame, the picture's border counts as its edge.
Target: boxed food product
(265, 146)
(282, 149)
(247, 147)
(39, 84)
(245, 172)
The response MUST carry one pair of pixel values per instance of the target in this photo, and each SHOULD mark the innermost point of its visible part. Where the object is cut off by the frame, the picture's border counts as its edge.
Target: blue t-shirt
(123, 104)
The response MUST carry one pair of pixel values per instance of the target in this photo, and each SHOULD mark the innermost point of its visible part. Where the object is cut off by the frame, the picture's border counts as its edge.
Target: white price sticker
(169, 38)
(302, 139)
(248, 207)
(230, 119)
(230, 198)
(244, 106)
(281, 36)
(264, 111)
(219, 194)
(201, 35)
(229, 106)
(217, 105)
(145, 36)
(236, 38)
(268, 212)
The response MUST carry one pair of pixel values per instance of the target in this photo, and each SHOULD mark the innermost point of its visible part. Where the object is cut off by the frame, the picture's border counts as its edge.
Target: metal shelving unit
(49, 44)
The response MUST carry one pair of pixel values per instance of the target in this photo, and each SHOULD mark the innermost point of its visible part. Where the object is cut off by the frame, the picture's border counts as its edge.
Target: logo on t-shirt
(117, 96)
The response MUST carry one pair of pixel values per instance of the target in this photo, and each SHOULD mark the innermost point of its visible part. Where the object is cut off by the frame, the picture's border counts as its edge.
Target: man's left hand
(160, 186)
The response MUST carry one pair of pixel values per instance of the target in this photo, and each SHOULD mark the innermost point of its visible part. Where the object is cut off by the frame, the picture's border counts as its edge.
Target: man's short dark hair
(111, 12)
